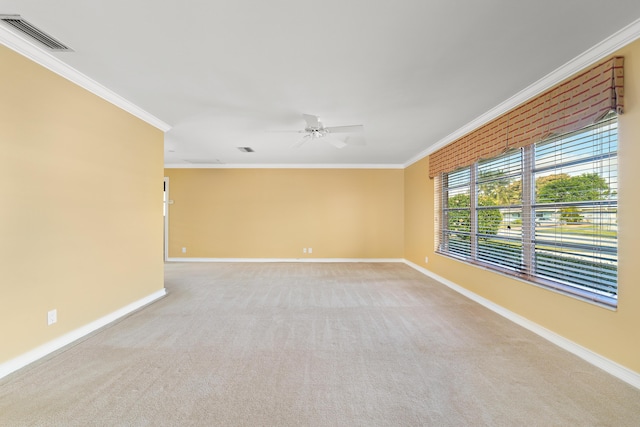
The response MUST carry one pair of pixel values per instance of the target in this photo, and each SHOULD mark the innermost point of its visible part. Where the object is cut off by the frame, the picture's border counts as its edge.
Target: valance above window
(579, 102)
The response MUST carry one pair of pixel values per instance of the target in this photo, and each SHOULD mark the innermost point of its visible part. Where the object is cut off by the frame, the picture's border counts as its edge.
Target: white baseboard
(285, 260)
(607, 365)
(48, 348)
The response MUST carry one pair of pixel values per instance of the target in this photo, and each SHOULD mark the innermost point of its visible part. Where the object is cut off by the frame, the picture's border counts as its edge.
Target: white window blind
(499, 210)
(576, 208)
(456, 218)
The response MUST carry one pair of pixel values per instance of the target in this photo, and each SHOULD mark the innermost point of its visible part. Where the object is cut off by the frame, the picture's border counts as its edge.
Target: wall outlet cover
(52, 317)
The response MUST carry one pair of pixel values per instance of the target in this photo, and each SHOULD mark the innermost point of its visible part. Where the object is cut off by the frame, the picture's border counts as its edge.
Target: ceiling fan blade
(301, 142)
(355, 140)
(345, 129)
(335, 142)
(312, 121)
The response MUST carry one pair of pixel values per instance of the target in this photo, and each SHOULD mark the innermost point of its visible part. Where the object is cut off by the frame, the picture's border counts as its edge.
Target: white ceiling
(224, 74)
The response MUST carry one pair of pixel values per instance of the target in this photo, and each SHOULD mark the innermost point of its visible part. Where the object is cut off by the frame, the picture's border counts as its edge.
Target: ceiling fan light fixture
(316, 130)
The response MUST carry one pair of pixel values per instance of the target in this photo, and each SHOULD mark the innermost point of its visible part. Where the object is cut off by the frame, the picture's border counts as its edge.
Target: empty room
(410, 213)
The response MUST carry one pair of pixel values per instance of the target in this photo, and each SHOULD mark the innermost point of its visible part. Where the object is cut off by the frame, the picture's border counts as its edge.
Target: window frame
(528, 205)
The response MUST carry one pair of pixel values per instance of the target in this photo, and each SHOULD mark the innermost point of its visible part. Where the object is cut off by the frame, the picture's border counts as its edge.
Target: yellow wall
(80, 206)
(612, 334)
(274, 213)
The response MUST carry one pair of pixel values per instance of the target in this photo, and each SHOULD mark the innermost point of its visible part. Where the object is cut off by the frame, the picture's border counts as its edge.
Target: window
(546, 213)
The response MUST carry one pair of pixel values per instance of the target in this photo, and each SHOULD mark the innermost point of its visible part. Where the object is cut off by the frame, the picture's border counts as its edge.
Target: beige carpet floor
(296, 344)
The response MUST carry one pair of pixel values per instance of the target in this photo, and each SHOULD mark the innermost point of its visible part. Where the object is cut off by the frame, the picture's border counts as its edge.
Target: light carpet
(313, 344)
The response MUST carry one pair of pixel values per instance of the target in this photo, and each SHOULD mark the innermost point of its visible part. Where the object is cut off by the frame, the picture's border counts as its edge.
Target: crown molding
(50, 62)
(594, 54)
(282, 166)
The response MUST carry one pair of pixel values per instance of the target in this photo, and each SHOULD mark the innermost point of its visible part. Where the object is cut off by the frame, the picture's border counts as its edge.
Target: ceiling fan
(316, 130)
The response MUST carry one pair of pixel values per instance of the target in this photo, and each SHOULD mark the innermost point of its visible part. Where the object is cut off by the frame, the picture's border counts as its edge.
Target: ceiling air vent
(246, 149)
(34, 33)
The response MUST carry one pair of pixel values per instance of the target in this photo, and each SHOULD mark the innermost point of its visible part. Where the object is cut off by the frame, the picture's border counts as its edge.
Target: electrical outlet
(52, 317)
(184, 250)
(426, 259)
(304, 250)
(310, 250)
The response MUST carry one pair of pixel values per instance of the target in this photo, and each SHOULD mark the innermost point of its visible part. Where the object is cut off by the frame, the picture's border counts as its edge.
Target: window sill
(586, 296)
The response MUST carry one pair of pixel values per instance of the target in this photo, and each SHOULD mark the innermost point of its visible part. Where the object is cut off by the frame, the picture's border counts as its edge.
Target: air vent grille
(246, 149)
(34, 33)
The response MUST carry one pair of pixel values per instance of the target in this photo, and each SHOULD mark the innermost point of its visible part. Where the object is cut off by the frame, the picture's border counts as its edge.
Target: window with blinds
(546, 212)
(457, 212)
(499, 210)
